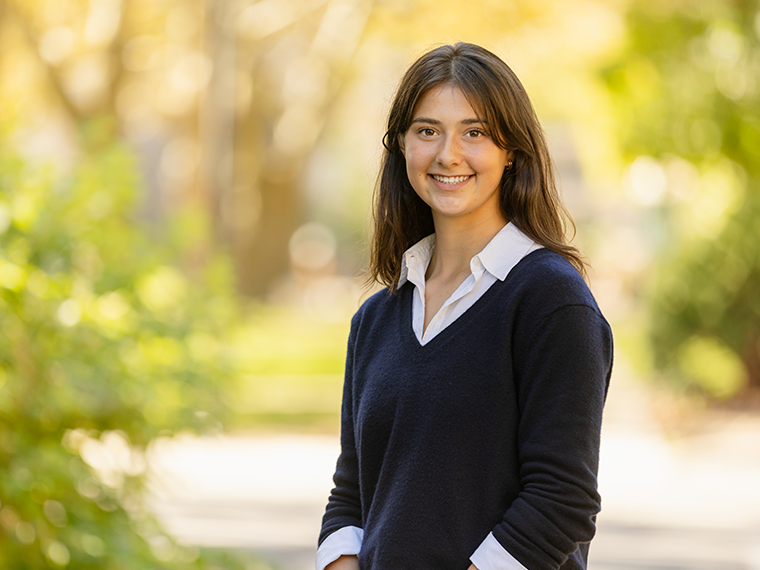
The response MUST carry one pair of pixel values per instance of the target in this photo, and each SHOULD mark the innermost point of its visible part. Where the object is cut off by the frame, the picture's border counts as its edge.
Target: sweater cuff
(344, 541)
(491, 555)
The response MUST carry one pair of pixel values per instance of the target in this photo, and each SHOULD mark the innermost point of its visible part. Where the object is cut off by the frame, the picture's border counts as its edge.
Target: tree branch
(55, 81)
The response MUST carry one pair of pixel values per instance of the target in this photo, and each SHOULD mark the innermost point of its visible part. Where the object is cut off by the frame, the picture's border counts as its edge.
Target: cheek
(416, 163)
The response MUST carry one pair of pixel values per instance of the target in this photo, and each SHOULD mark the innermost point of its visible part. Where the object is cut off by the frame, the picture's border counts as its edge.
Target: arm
(341, 532)
(562, 365)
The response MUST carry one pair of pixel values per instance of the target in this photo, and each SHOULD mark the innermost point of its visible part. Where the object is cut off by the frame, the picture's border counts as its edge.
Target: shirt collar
(505, 250)
(502, 253)
(415, 261)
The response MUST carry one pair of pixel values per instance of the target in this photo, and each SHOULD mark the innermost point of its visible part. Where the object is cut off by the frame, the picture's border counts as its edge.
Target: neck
(457, 241)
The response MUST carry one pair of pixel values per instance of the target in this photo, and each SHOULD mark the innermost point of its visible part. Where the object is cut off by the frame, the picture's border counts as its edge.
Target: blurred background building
(185, 191)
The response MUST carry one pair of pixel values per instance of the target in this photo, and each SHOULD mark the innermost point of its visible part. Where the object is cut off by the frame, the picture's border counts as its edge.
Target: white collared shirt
(494, 262)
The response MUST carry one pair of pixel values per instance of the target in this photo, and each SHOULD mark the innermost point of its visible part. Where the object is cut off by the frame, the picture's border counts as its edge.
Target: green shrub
(104, 345)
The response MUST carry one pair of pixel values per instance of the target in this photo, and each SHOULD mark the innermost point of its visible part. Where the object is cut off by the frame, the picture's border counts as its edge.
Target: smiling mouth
(450, 179)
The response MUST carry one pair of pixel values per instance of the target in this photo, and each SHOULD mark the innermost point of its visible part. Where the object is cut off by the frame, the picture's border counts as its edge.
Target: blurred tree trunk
(296, 70)
(267, 211)
(217, 112)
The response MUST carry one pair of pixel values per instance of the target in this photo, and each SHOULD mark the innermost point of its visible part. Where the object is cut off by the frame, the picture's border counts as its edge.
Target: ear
(509, 161)
(402, 144)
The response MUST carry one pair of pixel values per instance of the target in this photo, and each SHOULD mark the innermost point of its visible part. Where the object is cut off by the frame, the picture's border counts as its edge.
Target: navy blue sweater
(491, 426)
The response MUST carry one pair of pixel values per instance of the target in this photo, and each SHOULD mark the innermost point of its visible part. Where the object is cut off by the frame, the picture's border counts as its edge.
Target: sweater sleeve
(344, 505)
(562, 364)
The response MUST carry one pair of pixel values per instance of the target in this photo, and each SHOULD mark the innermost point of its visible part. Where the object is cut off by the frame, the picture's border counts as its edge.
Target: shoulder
(547, 293)
(379, 308)
(379, 302)
(557, 312)
(545, 280)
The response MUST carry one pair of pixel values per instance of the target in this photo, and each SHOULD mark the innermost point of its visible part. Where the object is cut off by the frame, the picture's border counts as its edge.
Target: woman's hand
(345, 562)
(472, 567)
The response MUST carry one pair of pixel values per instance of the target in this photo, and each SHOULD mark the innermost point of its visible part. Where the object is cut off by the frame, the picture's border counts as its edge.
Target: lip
(444, 186)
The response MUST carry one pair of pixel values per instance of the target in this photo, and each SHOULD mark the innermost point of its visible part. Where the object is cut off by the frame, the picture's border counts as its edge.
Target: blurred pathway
(690, 504)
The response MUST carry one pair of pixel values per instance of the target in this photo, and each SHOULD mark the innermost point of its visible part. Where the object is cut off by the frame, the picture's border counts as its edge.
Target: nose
(450, 151)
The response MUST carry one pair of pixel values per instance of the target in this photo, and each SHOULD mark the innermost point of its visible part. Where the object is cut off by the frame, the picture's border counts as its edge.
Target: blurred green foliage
(290, 370)
(104, 345)
(688, 94)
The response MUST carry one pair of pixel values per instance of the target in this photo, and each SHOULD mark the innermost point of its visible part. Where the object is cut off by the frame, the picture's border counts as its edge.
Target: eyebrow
(430, 121)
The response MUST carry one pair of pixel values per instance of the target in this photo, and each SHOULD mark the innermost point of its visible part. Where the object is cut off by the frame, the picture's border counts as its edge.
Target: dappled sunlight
(185, 194)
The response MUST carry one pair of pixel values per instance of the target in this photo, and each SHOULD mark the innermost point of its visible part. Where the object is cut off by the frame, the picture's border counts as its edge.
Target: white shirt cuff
(491, 555)
(344, 541)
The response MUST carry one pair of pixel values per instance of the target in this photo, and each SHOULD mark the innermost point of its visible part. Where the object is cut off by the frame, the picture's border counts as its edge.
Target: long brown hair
(528, 193)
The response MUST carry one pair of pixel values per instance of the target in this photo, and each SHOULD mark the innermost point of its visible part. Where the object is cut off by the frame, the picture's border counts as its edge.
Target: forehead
(444, 101)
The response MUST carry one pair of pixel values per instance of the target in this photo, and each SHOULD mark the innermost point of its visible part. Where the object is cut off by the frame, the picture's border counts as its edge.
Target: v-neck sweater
(493, 426)
(495, 261)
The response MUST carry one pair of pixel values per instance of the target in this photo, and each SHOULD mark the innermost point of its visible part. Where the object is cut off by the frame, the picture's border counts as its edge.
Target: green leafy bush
(688, 102)
(104, 345)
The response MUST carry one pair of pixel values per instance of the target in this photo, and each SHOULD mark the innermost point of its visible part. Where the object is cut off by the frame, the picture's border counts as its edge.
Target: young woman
(475, 381)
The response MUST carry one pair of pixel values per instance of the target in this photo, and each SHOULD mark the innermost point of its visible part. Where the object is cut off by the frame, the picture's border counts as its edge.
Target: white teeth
(450, 179)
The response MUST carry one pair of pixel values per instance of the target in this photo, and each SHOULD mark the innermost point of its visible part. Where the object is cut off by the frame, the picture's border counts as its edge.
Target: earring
(509, 164)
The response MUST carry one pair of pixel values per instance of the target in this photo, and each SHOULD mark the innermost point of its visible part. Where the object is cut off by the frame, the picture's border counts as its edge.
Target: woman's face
(452, 164)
